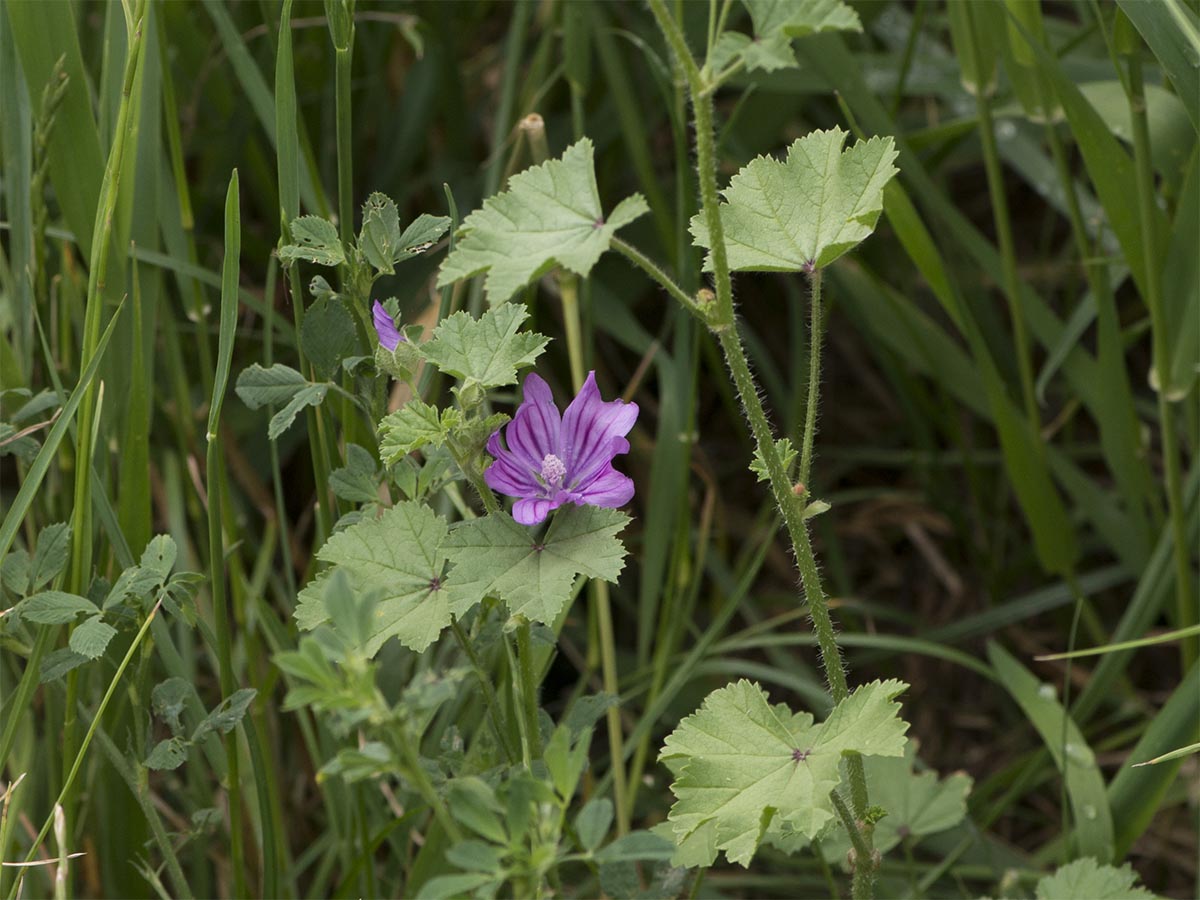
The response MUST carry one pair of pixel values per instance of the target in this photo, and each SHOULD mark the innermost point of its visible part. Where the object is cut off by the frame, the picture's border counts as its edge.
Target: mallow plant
(426, 548)
(472, 533)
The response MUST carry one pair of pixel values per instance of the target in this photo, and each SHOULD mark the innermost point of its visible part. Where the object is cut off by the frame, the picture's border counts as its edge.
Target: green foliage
(805, 212)
(746, 770)
(776, 23)
(550, 215)
(315, 240)
(258, 387)
(440, 771)
(917, 804)
(327, 336)
(54, 607)
(399, 560)
(91, 638)
(787, 455)
(415, 425)
(1086, 879)
(484, 352)
(50, 557)
(533, 573)
(358, 480)
(381, 240)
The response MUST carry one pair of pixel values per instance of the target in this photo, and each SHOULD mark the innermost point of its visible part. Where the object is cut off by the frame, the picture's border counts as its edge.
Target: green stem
(344, 158)
(568, 289)
(420, 781)
(81, 526)
(648, 266)
(616, 734)
(529, 687)
(862, 848)
(814, 383)
(514, 668)
(87, 740)
(134, 777)
(1003, 223)
(214, 463)
(1185, 599)
(489, 692)
(723, 324)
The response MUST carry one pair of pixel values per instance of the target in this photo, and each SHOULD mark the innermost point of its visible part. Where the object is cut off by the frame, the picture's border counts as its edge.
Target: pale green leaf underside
(744, 767)
(91, 638)
(1085, 879)
(399, 558)
(488, 350)
(917, 803)
(533, 574)
(806, 211)
(776, 22)
(550, 215)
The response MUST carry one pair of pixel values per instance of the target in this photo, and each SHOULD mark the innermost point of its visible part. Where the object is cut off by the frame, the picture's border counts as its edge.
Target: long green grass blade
(1172, 31)
(1093, 827)
(43, 32)
(216, 544)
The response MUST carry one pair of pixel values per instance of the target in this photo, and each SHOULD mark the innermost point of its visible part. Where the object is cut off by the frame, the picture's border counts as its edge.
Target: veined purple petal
(534, 512)
(534, 430)
(389, 335)
(510, 478)
(589, 427)
(545, 460)
(609, 489)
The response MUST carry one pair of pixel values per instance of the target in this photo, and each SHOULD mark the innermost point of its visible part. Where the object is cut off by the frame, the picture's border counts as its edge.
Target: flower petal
(590, 427)
(509, 477)
(533, 512)
(610, 489)
(389, 335)
(536, 426)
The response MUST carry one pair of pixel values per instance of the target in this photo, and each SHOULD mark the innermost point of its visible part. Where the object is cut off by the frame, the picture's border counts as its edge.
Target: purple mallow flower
(389, 335)
(551, 460)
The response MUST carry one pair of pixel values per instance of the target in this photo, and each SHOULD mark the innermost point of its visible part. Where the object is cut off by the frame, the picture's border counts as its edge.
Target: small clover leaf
(550, 215)
(50, 556)
(805, 212)
(91, 638)
(316, 240)
(743, 767)
(382, 242)
(358, 480)
(259, 387)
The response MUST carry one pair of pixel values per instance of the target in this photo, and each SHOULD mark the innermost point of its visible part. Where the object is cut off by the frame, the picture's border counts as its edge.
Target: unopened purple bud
(389, 335)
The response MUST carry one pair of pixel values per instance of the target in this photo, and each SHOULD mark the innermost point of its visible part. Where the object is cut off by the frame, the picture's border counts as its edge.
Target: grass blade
(1085, 785)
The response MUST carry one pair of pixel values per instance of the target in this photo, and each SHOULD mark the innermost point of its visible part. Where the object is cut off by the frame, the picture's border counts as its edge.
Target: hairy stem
(814, 383)
(723, 323)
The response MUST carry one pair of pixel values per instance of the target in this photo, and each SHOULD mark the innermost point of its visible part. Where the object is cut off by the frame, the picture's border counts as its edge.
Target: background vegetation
(1009, 421)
